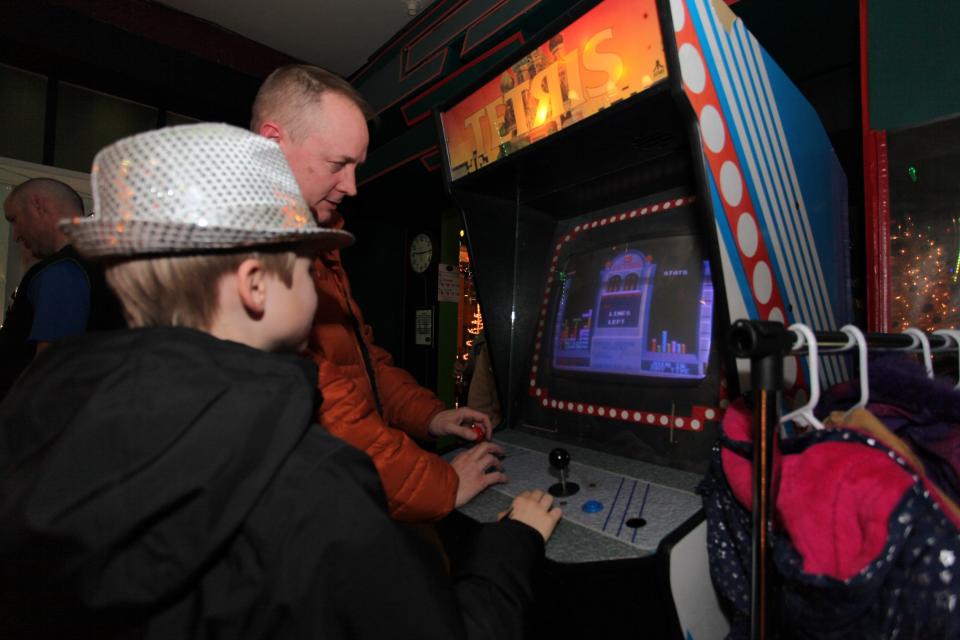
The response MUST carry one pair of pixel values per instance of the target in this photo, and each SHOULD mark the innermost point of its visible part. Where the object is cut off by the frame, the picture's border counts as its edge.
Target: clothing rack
(766, 344)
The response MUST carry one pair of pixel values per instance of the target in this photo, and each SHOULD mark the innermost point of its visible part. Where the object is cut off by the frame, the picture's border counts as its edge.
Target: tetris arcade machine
(640, 177)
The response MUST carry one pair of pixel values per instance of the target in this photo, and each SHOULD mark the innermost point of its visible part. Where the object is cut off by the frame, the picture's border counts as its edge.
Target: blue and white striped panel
(790, 170)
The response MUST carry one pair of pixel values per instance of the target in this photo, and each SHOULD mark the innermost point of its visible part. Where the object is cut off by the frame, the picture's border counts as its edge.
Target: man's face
(324, 161)
(29, 226)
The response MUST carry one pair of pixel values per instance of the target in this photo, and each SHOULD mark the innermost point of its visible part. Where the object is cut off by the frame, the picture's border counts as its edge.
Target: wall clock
(421, 252)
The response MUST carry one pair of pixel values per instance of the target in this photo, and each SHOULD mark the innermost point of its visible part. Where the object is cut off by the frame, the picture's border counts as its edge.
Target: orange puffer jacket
(420, 486)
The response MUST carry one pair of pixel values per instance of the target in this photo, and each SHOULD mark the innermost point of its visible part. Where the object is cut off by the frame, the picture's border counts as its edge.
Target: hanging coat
(864, 546)
(924, 413)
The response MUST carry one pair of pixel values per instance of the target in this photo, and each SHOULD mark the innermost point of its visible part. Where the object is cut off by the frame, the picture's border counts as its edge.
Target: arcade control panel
(613, 508)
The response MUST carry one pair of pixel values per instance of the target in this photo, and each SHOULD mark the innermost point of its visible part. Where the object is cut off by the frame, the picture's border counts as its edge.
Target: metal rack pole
(875, 341)
(766, 344)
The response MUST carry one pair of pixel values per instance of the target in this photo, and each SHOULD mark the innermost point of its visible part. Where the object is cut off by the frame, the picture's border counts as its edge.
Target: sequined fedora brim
(103, 238)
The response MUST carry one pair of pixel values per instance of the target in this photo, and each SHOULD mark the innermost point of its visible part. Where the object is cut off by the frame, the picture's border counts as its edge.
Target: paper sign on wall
(448, 283)
(423, 327)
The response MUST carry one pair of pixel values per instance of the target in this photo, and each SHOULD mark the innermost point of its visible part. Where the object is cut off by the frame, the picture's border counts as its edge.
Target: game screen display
(641, 308)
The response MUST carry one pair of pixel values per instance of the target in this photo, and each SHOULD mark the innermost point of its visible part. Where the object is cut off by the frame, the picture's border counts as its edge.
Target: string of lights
(925, 261)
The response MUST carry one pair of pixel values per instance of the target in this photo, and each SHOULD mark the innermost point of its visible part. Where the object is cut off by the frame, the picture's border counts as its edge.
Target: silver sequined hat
(194, 188)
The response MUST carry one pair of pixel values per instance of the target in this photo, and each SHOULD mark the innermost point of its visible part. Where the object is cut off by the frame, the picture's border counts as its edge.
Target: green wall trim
(447, 311)
(913, 61)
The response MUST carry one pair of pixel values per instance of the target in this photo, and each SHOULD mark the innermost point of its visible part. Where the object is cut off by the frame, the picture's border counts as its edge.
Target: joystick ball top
(559, 458)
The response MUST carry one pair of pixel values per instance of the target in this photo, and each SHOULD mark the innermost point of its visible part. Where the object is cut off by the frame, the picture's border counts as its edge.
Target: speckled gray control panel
(639, 504)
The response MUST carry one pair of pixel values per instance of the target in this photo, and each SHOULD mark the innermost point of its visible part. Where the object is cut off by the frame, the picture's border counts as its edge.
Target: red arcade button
(478, 431)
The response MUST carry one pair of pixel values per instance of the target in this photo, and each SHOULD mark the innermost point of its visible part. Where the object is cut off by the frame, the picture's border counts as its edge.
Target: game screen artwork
(642, 308)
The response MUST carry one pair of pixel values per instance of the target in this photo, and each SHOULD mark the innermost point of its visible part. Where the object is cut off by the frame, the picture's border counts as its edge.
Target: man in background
(60, 295)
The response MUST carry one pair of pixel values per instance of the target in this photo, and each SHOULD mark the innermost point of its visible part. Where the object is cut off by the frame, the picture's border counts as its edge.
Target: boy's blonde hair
(180, 291)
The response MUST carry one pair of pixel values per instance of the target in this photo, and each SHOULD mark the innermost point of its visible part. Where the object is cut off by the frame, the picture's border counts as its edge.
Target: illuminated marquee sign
(612, 52)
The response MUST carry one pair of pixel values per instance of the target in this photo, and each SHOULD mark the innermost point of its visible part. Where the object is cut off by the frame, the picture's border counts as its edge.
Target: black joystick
(560, 460)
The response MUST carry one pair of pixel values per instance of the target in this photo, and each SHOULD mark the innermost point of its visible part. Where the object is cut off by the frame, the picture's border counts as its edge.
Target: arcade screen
(642, 308)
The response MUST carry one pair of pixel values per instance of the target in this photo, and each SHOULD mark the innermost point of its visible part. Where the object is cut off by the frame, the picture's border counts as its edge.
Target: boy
(166, 482)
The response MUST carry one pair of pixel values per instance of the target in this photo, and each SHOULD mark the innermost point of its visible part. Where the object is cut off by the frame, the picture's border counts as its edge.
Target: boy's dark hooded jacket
(161, 483)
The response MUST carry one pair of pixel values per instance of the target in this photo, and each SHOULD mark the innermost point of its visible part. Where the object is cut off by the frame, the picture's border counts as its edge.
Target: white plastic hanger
(856, 337)
(805, 413)
(921, 339)
(955, 335)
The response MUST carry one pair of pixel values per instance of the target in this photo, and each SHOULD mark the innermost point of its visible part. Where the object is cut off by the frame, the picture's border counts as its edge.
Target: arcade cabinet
(640, 177)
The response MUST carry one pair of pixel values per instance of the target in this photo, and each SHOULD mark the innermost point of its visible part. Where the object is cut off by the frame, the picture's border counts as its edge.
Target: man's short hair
(67, 199)
(179, 291)
(288, 91)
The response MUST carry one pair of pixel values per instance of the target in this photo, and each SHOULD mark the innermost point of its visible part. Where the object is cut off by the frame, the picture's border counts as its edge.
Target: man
(60, 295)
(320, 123)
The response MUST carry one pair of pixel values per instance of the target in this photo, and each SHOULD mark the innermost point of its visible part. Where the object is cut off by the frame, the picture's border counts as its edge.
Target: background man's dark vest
(16, 351)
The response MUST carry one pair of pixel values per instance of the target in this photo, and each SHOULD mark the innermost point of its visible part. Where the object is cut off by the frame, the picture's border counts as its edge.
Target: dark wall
(384, 218)
(376, 265)
(69, 41)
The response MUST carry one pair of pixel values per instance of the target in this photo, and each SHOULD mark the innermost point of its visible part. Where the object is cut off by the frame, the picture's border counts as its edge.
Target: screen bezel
(679, 221)
(664, 421)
